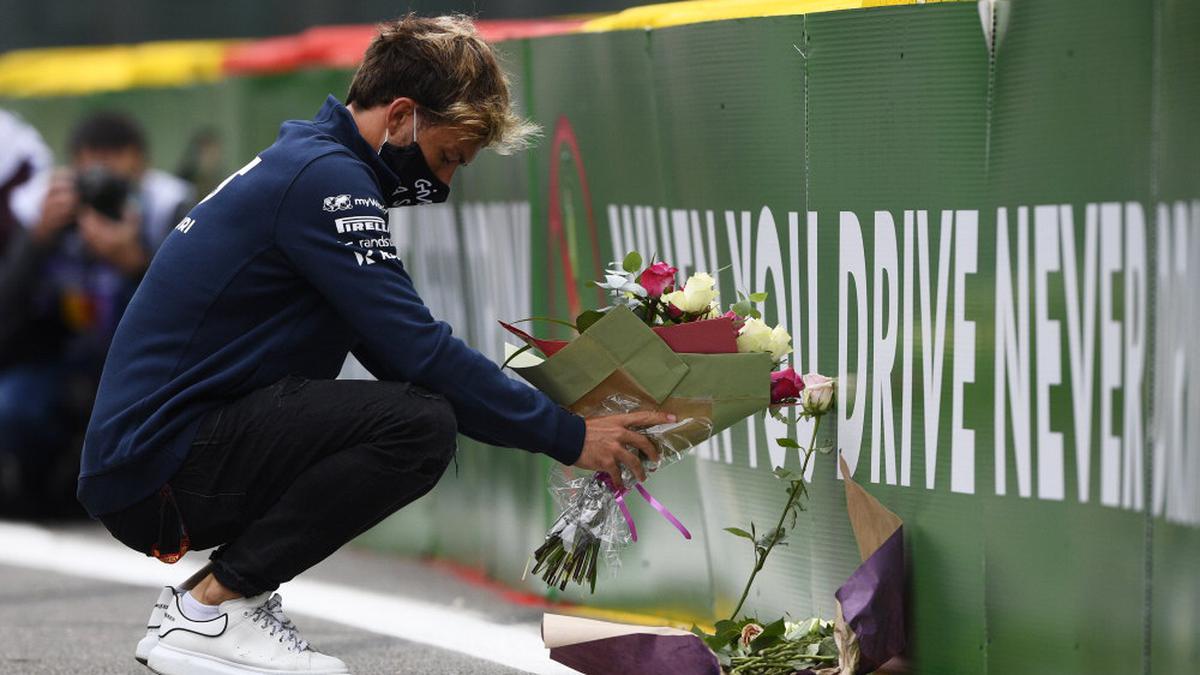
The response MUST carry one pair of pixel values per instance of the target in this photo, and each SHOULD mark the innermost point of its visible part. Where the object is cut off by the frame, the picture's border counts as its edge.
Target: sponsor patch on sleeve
(337, 203)
(344, 202)
(361, 224)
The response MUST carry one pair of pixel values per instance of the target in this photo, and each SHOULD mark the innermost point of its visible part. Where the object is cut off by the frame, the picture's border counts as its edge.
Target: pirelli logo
(361, 224)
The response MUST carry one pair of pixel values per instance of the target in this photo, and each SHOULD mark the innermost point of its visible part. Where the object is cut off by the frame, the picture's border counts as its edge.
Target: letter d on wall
(852, 262)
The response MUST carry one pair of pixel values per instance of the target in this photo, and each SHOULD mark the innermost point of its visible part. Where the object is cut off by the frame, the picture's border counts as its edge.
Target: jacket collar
(335, 120)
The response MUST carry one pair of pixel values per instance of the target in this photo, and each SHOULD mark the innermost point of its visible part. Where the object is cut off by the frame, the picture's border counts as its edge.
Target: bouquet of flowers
(868, 632)
(656, 347)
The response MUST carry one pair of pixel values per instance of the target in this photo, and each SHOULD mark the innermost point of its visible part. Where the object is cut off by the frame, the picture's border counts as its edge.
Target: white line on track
(514, 645)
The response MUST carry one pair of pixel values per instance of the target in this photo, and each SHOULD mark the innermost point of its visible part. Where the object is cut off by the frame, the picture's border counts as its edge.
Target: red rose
(786, 385)
(657, 278)
(738, 321)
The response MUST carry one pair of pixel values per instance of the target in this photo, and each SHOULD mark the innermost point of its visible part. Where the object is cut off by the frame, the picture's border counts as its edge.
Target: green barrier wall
(991, 236)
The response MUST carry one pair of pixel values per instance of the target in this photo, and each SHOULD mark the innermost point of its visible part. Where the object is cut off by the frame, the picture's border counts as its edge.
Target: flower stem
(793, 494)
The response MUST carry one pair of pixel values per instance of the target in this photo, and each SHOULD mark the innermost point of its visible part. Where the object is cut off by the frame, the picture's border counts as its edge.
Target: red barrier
(343, 46)
(516, 29)
(323, 46)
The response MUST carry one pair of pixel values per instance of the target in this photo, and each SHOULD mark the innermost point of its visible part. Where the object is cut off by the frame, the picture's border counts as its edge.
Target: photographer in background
(65, 279)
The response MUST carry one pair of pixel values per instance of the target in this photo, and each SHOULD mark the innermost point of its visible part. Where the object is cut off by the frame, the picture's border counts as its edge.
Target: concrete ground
(51, 622)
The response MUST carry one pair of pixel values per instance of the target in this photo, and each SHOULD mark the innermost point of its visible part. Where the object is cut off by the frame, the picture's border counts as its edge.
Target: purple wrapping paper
(873, 604)
(640, 653)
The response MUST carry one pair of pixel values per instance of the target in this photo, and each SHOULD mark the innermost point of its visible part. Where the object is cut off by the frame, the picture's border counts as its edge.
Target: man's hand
(116, 241)
(58, 209)
(604, 446)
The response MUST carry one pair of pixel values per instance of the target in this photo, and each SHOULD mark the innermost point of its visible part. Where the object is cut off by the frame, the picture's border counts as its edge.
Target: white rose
(755, 336)
(781, 343)
(817, 397)
(697, 294)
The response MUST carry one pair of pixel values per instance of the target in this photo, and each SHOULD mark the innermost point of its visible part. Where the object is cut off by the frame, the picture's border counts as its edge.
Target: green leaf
(758, 297)
(771, 634)
(787, 443)
(754, 314)
(725, 624)
(586, 319)
(739, 532)
(776, 627)
(741, 308)
(633, 262)
(782, 473)
(716, 642)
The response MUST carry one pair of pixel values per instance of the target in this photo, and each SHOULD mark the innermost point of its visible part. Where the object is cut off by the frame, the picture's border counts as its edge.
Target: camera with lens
(103, 190)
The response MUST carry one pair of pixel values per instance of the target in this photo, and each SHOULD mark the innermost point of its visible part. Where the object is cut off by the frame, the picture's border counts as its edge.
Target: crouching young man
(218, 422)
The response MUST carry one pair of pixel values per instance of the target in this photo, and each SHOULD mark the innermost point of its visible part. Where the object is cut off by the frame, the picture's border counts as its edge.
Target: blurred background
(92, 22)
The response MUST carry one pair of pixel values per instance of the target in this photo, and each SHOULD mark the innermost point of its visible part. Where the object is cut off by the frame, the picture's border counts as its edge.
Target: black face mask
(418, 184)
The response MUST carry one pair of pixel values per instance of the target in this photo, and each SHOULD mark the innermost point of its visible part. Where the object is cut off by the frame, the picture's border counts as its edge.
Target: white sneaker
(250, 635)
(142, 652)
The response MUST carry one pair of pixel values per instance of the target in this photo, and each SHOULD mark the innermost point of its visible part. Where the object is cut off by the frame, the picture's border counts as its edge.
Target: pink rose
(818, 395)
(786, 385)
(657, 278)
(749, 632)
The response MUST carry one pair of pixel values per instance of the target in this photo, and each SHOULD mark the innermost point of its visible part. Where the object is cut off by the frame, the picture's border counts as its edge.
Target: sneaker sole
(141, 654)
(168, 660)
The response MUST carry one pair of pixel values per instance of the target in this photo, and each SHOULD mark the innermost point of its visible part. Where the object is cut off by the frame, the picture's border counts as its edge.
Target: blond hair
(446, 67)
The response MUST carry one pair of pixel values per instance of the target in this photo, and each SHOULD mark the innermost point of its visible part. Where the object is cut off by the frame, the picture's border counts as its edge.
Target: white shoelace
(272, 617)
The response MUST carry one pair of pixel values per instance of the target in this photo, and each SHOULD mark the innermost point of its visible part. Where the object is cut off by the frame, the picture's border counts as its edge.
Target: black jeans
(285, 476)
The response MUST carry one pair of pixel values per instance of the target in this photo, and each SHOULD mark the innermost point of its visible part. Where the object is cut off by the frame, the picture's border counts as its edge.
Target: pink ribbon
(619, 496)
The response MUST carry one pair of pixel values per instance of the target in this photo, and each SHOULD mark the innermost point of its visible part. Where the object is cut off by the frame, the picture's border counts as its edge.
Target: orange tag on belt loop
(184, 540)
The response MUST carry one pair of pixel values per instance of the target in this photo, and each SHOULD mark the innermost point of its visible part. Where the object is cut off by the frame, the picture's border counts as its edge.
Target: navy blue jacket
(284, 269)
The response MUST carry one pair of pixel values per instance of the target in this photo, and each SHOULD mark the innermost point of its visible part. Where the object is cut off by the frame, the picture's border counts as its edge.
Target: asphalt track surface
(79, 622)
